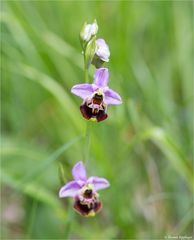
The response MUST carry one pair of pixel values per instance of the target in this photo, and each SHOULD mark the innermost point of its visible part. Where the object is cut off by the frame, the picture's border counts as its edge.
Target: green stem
(68, 226)
(87, 142)
(88, 125)
(86, 71)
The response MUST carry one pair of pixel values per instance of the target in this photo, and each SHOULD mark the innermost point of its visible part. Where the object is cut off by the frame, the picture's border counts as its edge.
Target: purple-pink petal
(101, 77)
(69, 190)
(98, 183)
(83, 90)
(111, 97)
(79, 172)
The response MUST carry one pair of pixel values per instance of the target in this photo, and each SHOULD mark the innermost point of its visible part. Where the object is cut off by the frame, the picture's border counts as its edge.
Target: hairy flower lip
(85, 210)
(88, 113)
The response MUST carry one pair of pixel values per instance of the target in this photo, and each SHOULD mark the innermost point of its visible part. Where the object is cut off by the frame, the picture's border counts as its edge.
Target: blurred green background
(144, 148)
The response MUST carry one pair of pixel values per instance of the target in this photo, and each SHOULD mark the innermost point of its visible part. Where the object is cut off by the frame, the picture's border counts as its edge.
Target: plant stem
(88, 124)
(86, 71)
(68, 225)
(86, 75)
(87, 142)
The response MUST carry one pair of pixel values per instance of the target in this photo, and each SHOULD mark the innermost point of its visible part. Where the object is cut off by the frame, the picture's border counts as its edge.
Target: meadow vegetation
(144, 148)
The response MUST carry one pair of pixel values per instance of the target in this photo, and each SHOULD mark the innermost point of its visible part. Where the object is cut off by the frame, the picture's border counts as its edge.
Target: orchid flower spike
(97, 96)
(84, 191)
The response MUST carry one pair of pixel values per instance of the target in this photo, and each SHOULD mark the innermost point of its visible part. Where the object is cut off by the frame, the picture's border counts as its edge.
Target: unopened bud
(88, 30)
(102, 53)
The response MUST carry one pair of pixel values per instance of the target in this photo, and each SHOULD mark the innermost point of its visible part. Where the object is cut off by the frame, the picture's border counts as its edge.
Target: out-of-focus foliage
(144, 148)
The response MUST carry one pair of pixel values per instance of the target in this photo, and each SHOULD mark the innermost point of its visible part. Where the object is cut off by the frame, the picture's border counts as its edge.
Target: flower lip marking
(93, 114)
(87, 210)
(96, 103)
(87, 202)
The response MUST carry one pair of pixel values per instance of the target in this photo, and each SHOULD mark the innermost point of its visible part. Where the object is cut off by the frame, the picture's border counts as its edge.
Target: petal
(69, 190)
(98, 183)
(101, 77)
(79, 172)
(102, 50)
(87, 33)
(94, 28)
(83, 90)
(111, 97)
(89, 30)
(101, 42)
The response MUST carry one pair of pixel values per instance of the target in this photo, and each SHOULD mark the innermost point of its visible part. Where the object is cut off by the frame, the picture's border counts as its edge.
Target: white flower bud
(88, 31)
(102, 50)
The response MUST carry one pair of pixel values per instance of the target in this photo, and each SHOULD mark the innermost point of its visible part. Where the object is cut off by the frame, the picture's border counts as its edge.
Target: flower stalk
(87, 142)
(96, 97)
(86, 77)
(86, 74)
(88, 126)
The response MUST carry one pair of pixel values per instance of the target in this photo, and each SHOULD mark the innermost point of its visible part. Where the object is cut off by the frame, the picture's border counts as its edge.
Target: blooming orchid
(84, 191)
(97, 96)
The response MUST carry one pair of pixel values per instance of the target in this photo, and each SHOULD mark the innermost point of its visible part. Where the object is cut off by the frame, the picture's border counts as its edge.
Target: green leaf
(46, 163)
(31, 189)
(61, 173)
